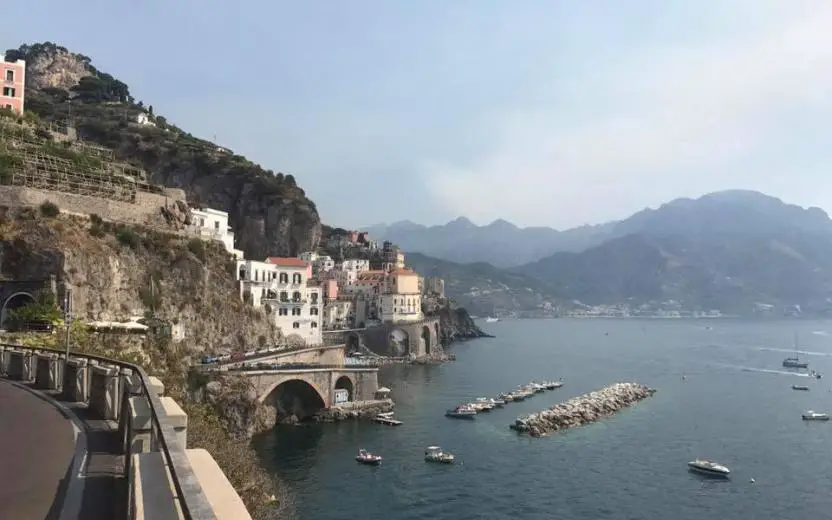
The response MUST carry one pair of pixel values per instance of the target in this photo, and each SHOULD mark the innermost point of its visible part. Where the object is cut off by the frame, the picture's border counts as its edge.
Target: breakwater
(583, 409)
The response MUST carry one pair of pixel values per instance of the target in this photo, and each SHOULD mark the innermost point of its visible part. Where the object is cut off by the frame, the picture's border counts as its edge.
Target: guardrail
(193, 502)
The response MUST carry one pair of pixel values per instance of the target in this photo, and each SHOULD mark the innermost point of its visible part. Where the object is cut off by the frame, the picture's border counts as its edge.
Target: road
(37, 447)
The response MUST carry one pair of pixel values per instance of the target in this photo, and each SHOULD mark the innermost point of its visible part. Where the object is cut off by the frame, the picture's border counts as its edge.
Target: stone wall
(403, 339)
(144, 211)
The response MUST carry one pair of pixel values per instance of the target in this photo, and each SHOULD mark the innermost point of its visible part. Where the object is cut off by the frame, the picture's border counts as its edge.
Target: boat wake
(820, 333)
(766, 371)
(806, 352)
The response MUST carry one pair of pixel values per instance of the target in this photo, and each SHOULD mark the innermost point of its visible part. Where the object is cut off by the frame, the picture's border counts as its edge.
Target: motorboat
(490, 402)
(435, 454)
(506, 398)
(491, 319)
(365, 457)
(462, 412)
(800, 387)
(810, 415)
(709, 468)
(552, 385)
(537, 387)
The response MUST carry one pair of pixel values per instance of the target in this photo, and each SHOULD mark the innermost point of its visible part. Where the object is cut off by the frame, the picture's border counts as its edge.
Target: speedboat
(490, 402)
(800, 387)
(815, 416)
(506, 398)
(435, 454)
(462, 412)
(491, 319)
(707, 467)
(365, 457)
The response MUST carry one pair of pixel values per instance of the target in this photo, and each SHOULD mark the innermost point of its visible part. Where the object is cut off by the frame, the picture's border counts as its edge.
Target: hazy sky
(552, 113)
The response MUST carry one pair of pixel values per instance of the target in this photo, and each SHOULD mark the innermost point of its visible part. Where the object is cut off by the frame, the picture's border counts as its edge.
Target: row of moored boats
(486, 404)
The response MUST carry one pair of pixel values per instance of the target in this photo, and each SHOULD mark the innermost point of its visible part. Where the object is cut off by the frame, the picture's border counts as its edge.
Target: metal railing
(192, 499)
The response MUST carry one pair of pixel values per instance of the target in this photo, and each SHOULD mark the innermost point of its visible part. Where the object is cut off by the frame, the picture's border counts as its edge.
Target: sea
(722, 395)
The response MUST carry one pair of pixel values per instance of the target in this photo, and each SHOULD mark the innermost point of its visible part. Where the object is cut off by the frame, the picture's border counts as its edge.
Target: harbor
(486, 404)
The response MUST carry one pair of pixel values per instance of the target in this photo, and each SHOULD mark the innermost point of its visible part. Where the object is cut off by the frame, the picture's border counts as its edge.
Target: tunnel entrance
(14, 302)
(295, 400)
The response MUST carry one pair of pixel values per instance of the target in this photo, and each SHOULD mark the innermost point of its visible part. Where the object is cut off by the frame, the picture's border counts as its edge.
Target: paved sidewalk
(38, 446)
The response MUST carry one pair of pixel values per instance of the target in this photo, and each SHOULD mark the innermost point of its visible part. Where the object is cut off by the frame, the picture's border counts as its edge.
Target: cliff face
(119, 273)
(270, 213)
(455, 324)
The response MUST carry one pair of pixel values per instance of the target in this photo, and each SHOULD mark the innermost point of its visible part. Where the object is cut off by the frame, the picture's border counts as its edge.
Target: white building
(213, 224)
(144, 119)
(339, 314)
(401, 300)
(347, 272)
(320, 263)
(295, 302)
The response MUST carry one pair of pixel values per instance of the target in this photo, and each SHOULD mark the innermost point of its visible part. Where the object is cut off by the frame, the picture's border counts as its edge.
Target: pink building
(330, 288)
(13, 81)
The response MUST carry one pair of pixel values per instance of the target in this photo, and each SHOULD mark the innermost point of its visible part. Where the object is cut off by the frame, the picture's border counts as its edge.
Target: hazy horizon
(551, 114)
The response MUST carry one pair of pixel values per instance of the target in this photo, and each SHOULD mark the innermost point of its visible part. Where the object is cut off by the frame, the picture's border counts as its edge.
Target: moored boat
(365, 457)
(810, 415)
(800, 387)
(462, 412)
(435, 454)
(709, 468)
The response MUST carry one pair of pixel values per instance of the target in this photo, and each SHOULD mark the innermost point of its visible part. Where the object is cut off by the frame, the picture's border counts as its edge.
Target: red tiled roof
(287, 261)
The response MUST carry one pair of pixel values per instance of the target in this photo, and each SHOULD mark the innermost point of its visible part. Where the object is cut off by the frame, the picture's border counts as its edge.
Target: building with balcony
(13, 84)
(212, 224)
(401, 299)
(339, 314)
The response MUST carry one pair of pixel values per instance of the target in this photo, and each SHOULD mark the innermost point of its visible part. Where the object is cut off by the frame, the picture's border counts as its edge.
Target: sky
(551, 113)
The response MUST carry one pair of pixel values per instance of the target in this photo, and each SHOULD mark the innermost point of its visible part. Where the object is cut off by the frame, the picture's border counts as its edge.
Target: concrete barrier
(47, 371)
(116, 393)
(104, 392)
(76, 381)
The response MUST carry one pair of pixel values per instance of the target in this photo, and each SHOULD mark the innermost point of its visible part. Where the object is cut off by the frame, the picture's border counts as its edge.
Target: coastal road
(37, 444)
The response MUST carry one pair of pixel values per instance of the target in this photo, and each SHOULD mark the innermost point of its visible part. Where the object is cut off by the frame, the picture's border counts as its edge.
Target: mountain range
(737, 251)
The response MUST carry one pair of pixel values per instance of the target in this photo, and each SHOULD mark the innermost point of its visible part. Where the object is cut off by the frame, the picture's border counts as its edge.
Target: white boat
(435, 454)
(480, 406)
(795, 362)
(707, 467)
(810, 415)
(462, 412)
(491, 319)
(365, 457)
(490, 402)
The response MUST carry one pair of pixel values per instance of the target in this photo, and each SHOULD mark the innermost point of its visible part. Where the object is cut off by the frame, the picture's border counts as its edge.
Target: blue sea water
(735, 405)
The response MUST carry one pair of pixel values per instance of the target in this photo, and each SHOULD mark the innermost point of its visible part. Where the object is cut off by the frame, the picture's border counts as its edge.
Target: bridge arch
(296, 396)
(345, 382)
(15, 301)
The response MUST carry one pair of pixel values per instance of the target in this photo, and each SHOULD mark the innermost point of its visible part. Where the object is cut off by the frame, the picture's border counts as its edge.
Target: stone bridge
(302, 392)
(18, 293)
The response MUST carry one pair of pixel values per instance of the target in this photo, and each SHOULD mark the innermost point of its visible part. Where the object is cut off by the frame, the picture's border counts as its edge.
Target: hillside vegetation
(270, 212)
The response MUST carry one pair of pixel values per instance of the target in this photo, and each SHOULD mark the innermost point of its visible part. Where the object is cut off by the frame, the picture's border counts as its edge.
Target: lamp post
(68, 324)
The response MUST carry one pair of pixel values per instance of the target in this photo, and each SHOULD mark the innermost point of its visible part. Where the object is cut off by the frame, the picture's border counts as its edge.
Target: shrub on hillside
(49, 209)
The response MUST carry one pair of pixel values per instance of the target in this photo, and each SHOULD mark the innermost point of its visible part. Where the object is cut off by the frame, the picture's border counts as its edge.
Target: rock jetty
(583, 409)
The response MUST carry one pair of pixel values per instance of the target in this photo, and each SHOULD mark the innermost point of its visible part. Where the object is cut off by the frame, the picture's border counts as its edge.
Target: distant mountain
(728, 250)
(482, 288)
(500, 243)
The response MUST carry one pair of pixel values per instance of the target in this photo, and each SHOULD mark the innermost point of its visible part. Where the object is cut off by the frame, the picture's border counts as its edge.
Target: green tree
(44, 310)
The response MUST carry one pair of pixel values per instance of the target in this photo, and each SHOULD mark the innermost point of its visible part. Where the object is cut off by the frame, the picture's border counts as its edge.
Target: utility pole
(68, 323)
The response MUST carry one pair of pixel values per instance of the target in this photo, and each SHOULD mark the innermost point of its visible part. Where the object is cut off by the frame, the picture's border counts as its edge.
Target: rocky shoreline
(583, 409)
(455, 324)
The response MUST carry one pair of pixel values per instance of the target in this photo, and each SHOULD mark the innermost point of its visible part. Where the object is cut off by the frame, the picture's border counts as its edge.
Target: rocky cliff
(121, 272)
(455, 324)
(271, 215)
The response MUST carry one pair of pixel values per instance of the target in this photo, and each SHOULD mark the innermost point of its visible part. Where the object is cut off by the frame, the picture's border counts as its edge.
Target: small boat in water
(800, 387)
(491, 319)
(462, 412)
(810, 415)
(435, 454)
(365, 457)
(709, 468)
(795, 362)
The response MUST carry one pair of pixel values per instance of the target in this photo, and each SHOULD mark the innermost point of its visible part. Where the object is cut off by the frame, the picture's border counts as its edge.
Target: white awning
(383, 389)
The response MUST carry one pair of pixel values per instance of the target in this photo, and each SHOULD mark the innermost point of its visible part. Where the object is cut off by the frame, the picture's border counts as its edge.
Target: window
(284, 296)
(283, 311)
(296, 325)
(296, 312)
(297, 278)
(314, 298)
(296, 296)
(8, 106)
(314, 325)
(313, 311)
(10, 75)
(8, 91)
(284, 278)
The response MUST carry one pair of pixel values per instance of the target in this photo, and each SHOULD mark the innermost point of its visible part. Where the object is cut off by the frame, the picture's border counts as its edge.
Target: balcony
(302, 301)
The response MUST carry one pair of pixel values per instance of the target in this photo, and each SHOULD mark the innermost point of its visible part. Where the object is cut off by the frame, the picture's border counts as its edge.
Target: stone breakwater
(583, 409)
